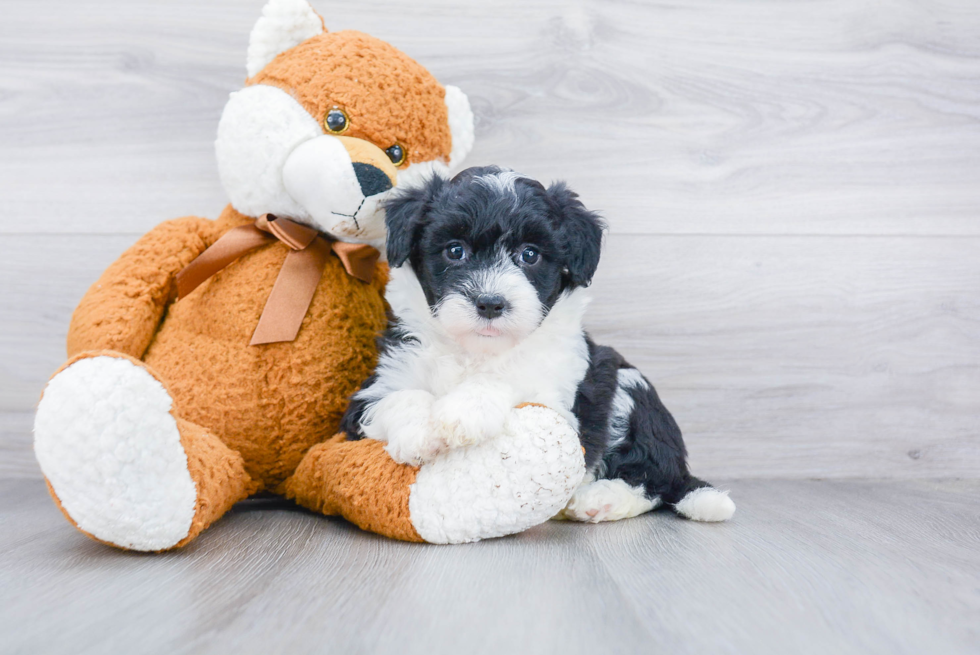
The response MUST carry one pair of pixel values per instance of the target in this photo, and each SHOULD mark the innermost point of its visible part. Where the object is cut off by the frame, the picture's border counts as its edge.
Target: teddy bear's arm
(122, 310)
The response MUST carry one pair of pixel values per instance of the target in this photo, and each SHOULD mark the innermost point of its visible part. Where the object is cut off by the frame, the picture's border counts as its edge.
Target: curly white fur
(474, 390)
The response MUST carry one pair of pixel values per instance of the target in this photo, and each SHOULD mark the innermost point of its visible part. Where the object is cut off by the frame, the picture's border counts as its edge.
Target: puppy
(487, 289)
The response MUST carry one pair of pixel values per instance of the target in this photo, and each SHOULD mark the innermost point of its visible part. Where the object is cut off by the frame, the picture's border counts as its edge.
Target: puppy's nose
(489, 306)
(371, 179)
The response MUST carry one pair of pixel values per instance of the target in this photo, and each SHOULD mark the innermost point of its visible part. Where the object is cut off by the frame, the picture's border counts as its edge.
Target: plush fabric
(164, 415)
(284, 24)
(359, 481)
(133, 473)
(271, 403)
(406, 104)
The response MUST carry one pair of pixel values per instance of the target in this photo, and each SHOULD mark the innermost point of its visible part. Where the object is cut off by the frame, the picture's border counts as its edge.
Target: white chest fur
(544, 368)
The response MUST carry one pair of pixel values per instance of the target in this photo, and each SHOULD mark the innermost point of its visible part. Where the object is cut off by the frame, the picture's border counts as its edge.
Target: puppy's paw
(454, 434)
(464, 418)
(404, 420)
(607, 500)
(414, 446)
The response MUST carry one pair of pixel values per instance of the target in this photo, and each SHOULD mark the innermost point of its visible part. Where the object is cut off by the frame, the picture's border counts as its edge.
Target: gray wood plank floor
(804, 567)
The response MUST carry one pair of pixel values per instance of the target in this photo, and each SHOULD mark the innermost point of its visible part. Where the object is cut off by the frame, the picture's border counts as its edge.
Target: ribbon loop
(232, 245)
(297, 281)
(293, 234)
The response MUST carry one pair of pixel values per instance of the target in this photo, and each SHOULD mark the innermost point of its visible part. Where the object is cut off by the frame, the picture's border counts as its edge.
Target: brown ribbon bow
(297, 280)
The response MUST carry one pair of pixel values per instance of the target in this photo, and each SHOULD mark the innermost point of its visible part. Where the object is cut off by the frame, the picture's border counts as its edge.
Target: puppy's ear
(580, 231)
(405, 213)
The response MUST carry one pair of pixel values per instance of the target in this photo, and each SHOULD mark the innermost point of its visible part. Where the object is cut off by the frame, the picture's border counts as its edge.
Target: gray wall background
(793, 190)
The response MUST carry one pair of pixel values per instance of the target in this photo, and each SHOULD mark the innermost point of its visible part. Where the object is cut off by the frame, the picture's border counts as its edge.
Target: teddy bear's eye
(336, 121)
(397, 154)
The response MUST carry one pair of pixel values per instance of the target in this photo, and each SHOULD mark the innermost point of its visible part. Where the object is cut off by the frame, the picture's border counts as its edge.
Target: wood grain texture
(759, 117)
(779, 356)
(791, 188)
(804, 567)
(16, 447)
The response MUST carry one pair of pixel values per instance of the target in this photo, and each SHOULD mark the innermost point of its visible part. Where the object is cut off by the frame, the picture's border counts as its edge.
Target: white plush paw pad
(504, 485)
(107, 443)
(607, 500)
(706, 504)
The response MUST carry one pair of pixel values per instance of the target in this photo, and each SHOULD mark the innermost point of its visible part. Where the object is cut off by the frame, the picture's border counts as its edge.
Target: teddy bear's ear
(284, 24)
(460, 125)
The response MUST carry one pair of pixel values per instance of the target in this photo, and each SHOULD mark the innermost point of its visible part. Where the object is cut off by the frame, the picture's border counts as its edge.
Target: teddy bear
(213, 360)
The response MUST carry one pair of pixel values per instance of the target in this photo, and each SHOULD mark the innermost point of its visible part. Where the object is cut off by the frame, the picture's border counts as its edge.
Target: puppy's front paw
(464, 418)
(404, 420)
(414, 445)
(453, 434)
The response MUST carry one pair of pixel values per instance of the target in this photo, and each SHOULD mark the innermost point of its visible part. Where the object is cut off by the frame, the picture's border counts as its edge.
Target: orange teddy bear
(214, 359)
(164, 415)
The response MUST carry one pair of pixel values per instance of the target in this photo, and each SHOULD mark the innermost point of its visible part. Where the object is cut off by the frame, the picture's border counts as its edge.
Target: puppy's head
(493, 251)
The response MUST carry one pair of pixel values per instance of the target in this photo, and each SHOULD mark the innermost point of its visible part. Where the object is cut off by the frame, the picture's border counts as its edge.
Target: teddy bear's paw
(111, 451)
(504, 485)
(607, 500)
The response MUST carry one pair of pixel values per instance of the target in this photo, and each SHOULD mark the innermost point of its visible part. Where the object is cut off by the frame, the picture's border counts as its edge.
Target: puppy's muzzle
(490, 306)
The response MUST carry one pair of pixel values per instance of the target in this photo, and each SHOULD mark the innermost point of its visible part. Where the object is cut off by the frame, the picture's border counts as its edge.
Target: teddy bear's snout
(371, 179)
(374, 171)
(340, 181)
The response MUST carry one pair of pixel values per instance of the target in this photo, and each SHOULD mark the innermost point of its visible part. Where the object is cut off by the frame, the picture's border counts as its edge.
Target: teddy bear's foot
(122, 468)
(504, 485)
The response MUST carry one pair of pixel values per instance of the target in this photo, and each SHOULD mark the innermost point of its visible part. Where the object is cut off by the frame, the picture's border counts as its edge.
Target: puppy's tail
(697, 500)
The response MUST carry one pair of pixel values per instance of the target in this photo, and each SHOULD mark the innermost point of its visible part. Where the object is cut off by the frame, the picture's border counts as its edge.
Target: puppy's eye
(455, 252)
(336, 121)
(530, 255)
(397, 154)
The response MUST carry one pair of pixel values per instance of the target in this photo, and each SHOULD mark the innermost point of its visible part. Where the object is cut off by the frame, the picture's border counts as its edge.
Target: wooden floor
(805, 567)
(793, 193)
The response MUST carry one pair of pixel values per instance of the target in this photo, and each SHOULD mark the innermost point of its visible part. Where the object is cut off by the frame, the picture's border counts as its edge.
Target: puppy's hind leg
(697, 500)
(607, 500)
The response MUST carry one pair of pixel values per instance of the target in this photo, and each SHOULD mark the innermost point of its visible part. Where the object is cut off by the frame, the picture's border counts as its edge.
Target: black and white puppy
(487, 289)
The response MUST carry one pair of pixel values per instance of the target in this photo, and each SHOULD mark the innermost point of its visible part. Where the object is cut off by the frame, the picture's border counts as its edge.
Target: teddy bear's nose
(371, 178)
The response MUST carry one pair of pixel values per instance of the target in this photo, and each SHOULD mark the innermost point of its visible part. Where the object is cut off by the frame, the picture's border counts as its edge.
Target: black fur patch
(652, 452)
(485, 220)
